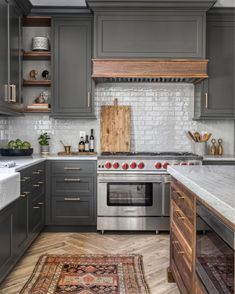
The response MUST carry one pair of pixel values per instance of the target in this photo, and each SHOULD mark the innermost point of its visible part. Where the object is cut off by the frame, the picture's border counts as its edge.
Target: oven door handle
(129, 209)
(128, 181)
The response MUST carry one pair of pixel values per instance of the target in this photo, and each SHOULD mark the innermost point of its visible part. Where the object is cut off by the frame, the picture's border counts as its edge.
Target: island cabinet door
(182, 239)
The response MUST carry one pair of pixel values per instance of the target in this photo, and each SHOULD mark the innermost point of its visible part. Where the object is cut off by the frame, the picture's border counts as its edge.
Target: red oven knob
(183, 163)
(165, 164)
(116, 165)
(108, 165)
(191, 163)
(125, 166)
(141, 165)
(158, 165)
(133, 165)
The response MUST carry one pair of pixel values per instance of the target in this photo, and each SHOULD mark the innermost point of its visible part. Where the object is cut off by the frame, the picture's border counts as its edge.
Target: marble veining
(213, 184)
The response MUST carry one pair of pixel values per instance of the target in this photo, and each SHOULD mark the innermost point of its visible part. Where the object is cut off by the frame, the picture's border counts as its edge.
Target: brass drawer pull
(40, 170)
(27, 178)
(178, 215)
(179, 195)
(36, 173)
(22, 195)
(36, 207)
(72, 168)
(40, 183)
(180, 252)
(206, 100)
(71, 180)
(40, 203)
(71, 199)
(36, 185)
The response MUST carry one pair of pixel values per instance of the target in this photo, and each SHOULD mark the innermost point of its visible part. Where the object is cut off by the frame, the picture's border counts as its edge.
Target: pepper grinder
(213, 147)
(220, 147)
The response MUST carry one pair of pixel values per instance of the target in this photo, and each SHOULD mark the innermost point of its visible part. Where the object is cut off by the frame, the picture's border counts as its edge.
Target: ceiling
(82, 3)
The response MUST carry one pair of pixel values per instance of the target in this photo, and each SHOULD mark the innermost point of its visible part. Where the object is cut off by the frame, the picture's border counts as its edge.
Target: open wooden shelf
(37, 110)
(36, 21)
(37, 83)
(37, 55)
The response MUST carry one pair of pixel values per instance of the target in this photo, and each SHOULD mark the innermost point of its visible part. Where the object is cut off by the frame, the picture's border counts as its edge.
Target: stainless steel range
(134, 189)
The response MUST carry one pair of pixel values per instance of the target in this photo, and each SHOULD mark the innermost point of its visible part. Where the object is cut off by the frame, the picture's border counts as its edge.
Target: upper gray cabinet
(215, 96)
(72, 82)
(149, 28)
(10, 31)
(160, 35)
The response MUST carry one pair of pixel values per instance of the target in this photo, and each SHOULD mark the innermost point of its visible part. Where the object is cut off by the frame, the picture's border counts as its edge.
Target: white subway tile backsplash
(160, 113)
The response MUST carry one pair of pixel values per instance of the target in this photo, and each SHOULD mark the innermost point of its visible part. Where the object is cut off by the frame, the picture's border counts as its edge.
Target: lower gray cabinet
(20, 224)
(6, 238)
(73, 211)
(22, 220)
(71, 194)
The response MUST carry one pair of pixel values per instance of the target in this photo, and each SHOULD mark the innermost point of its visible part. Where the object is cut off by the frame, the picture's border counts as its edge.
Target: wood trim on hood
(155, 70)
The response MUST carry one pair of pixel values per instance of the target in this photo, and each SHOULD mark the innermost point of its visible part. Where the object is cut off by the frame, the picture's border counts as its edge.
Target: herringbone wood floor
(154, 248)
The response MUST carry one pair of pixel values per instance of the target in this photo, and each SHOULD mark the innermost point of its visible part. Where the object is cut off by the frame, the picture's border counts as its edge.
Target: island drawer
(73, 167)
(183, 223)
(182, 258)
(184, 199)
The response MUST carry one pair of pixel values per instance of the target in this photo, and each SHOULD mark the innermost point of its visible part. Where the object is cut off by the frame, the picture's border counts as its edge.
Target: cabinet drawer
(183, 223)
(179, 256)
(183, 199)
(72, 184)
(73, 211)
(73, 167)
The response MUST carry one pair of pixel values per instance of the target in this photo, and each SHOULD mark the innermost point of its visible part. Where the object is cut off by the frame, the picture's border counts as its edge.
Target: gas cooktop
(147, 154)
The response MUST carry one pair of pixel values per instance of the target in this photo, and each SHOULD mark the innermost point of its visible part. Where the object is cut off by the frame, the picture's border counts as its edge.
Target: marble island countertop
(214, 185)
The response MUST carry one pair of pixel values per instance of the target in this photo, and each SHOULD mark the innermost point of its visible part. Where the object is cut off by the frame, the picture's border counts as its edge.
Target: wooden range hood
(150, 70)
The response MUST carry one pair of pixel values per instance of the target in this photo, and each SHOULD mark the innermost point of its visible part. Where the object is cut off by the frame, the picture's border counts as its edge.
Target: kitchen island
(202, 209)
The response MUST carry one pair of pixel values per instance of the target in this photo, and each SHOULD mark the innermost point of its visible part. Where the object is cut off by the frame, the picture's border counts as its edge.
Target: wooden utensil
(192, 137)
(197, 136)
(115, 130)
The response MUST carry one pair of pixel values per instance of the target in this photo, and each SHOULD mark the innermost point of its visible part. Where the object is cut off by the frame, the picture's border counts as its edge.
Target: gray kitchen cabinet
(149, 35)
(72, 89)
(6, 236)
(21, 221)
(10, 71)
(215, 96)
(71, 195)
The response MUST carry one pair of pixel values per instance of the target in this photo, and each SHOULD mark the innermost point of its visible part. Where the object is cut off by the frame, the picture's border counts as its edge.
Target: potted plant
(43, 141)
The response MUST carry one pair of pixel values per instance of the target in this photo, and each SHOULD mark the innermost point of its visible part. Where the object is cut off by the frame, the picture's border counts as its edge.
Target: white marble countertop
(219, 158)
(26, 161)
(214, 185)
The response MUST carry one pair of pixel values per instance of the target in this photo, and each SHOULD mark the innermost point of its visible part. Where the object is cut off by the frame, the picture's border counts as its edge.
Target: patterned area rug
(87, 274)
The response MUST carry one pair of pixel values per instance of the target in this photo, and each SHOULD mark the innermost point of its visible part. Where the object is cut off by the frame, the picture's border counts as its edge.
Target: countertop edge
(207, 198)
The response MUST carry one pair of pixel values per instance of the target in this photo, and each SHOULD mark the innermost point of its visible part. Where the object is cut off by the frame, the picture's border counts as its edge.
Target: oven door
(129, 195)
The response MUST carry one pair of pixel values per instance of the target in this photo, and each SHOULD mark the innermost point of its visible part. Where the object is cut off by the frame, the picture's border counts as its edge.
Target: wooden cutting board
(115, 129)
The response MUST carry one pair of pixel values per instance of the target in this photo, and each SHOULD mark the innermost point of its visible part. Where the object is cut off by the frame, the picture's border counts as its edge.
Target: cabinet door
(36, 215)
(4, 78)
(6, 250)
(20, 227)
(15, 33)
(219, 88)
(72, 85)
(73, 210)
